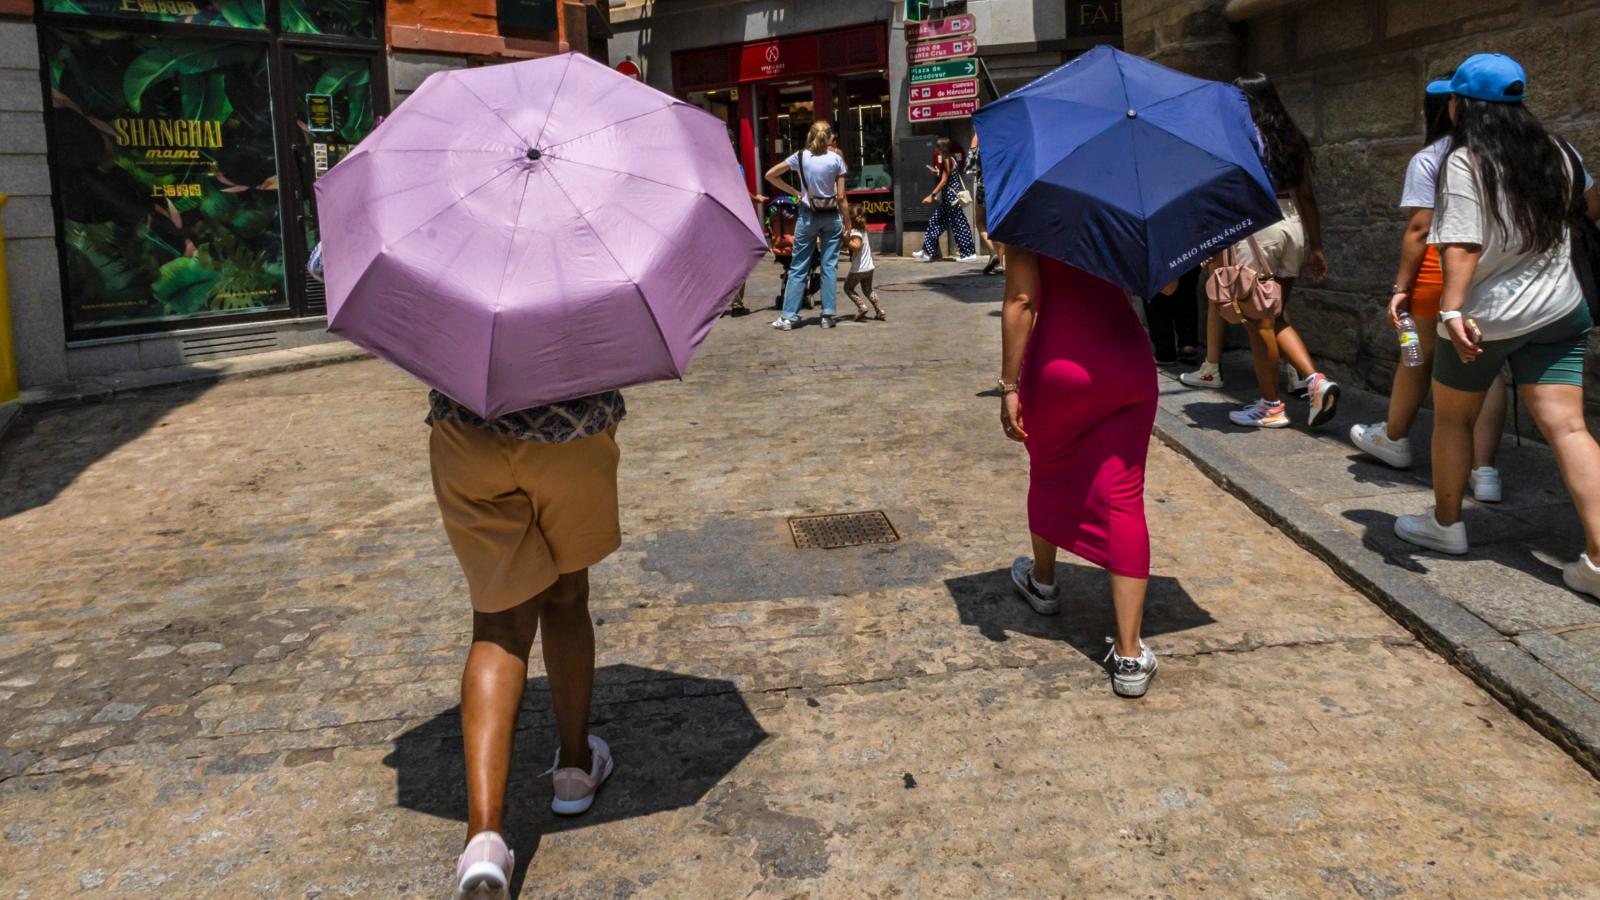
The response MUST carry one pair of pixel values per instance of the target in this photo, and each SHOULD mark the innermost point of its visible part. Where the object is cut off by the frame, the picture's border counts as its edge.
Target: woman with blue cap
(1511, 296)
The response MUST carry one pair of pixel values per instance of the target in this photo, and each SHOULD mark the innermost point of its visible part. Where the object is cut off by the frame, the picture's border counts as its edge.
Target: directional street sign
(965, 89)
(949, 49)
(945, 71)
(953, 109)
(941, 28)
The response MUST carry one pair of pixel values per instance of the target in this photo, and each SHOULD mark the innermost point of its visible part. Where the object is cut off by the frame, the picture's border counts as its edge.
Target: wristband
(1446, 315)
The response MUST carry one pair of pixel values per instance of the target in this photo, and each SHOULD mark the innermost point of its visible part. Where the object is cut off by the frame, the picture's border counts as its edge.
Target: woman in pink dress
(1078, 386)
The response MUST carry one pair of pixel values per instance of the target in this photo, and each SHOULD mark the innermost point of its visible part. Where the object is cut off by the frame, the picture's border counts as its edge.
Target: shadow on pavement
(989, 602)
(674, 738)
(44, 452)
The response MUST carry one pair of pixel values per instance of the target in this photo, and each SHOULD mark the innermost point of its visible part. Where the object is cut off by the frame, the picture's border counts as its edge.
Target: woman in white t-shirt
(824, 207)
(1502, 224)
(1417, 288)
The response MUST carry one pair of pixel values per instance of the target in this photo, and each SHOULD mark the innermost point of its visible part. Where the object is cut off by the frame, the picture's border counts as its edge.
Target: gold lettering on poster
(181, 8)
(194, 134)
(1103, 13)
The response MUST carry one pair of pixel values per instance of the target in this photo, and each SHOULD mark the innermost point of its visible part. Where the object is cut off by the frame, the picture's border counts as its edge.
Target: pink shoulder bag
(1240, 292)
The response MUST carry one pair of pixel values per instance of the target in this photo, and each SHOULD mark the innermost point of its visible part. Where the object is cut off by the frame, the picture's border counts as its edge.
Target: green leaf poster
(164, 150)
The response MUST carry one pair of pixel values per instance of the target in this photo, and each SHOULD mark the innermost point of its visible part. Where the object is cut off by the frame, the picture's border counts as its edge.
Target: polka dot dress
(949, 216)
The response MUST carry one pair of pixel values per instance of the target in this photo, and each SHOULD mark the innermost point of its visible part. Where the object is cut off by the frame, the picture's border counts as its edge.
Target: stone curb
(8, 414)
(1539, 696)
(106, 387)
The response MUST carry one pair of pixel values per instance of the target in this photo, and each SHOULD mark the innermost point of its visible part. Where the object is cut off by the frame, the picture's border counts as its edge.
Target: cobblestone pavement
(231, 632)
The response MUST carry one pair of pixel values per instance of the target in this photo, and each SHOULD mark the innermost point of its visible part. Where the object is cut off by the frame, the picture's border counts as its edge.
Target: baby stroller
(782, 214)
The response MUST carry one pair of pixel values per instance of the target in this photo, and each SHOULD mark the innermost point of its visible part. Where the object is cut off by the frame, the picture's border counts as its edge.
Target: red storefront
(769, 92)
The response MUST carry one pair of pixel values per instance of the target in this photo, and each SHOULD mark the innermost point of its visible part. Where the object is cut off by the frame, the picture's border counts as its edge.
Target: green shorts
(1551, 355)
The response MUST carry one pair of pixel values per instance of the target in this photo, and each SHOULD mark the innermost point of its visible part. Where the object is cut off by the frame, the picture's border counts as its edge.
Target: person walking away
(1289, 245)
(824, 205)
(1174, 322)
(1416, 292)
(1502, 224)
(947, 213)
(997, 254)
(861, 269)
(1078, 389)
(529, 503)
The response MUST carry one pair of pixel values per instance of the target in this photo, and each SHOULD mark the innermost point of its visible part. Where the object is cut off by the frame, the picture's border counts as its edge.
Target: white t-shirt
(861, 261)
(1512, 293)
(819, 174)
(1422, 175)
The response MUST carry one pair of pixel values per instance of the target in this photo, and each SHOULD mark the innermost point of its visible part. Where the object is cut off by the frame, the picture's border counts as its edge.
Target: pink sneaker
(484, 870)
(575, 788)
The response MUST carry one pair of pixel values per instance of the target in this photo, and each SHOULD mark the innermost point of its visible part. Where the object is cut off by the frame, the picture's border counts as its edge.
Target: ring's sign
(1094, 18)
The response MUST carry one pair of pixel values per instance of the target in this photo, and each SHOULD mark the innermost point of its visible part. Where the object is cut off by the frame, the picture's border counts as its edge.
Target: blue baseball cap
(1493, 77)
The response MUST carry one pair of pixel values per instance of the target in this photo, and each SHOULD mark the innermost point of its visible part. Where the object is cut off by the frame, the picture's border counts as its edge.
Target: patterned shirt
(557, 423)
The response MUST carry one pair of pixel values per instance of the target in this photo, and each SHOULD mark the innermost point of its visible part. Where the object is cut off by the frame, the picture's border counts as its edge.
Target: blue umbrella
(1124, 168)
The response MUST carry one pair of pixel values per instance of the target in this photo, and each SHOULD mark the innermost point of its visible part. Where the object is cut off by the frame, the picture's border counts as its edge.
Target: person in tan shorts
(529, 503)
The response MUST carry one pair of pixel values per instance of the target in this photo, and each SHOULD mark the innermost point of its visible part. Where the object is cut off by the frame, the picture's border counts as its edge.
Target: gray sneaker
(1046, 601)
(1130, 676)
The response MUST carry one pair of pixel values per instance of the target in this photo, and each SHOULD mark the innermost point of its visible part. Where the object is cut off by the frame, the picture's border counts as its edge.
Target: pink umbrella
(520, 234)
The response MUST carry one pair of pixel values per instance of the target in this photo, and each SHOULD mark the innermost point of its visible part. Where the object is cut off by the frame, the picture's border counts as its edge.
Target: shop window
(862, 118)
(164, 149)
(346, 18)
(786, 112)
(228, 13)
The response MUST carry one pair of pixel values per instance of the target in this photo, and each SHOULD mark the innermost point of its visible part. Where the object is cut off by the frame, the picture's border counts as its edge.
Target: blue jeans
(830, 227)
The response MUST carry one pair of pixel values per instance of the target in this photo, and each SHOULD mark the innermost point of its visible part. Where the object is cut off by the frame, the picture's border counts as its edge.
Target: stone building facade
(1352, 73)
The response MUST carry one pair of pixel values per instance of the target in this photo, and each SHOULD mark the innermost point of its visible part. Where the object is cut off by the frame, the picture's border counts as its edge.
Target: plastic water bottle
(1410, 342)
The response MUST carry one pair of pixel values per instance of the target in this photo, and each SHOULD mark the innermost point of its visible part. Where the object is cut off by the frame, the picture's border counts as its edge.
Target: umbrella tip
(534, 154)
(1132, 114)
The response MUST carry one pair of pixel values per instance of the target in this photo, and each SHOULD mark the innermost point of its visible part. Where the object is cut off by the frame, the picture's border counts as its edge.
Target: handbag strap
(1261, 258)
(1579, 205)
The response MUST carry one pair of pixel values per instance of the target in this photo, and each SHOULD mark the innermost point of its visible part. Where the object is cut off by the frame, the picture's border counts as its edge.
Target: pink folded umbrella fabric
(521, 234)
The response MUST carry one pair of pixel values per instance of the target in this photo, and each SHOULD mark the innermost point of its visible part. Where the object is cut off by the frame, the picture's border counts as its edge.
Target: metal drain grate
(846, 530)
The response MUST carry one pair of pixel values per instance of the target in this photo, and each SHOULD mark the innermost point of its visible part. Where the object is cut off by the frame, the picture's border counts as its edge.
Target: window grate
(832, 532)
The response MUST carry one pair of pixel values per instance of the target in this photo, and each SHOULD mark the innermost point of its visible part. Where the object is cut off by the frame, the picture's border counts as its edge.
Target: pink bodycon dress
(1088, 395)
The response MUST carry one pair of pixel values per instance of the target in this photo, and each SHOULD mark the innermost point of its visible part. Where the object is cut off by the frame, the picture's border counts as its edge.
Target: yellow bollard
(8, 355)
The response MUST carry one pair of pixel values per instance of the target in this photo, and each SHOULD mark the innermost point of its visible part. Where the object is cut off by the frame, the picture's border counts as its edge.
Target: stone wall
(35, 277)
(1352, 73)
(1190, 35)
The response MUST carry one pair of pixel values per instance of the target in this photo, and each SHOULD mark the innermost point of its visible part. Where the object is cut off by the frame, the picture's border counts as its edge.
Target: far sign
(942, 28)
(945, 71)
(953, 48)
(965, 89)
(953, 109)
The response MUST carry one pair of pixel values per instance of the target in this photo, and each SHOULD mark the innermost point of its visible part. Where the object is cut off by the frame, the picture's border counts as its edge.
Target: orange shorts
(1429, 287)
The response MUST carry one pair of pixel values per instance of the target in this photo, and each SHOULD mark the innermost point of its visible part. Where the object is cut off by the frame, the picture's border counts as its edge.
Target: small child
(861, 267)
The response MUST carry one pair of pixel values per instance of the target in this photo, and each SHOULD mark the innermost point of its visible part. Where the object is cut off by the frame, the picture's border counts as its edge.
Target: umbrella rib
(420, 225)
(509, 127)
(516, 226)
(609, 126)
(579, 162)
(660, 332)
(554, 96)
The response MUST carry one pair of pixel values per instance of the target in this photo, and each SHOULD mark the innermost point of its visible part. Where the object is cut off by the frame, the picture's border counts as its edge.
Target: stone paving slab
(1500, 613)
(231, 635)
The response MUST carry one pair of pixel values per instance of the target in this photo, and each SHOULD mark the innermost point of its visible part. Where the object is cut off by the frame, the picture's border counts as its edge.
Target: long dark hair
(1516, 161)
(944, 151)
(1436, 124)
(1289, 156)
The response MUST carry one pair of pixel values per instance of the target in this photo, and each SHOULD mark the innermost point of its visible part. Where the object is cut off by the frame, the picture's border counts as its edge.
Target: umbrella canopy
(1124, 168)
(527, 233)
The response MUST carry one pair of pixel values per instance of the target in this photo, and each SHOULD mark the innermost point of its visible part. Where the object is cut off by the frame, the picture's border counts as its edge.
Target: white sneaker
(1323, 395)
(1209, 378)
(783, 324)
(1486, 485)
(1130, 675)
(1261, 414)
(919, 256)
(1045, 600)
(575, 788)
(1300, 387)
(970, 257)
(1582, 576)
(484, 870)
(1425, 531)
(1374, 441)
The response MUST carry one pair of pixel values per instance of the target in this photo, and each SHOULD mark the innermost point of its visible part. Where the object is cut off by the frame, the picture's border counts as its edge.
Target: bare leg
(1216, 334)
(1558, 409)
(1044, 561)
(1127, 598)
(1411, 384)
(568, 647)
(1491, 427)
(1453, 415)
(1264, 353)
(1290, 346)
(491, 694)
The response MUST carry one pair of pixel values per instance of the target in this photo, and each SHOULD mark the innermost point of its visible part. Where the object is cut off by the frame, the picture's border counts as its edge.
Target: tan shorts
(1283, 243)
(519, 513)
